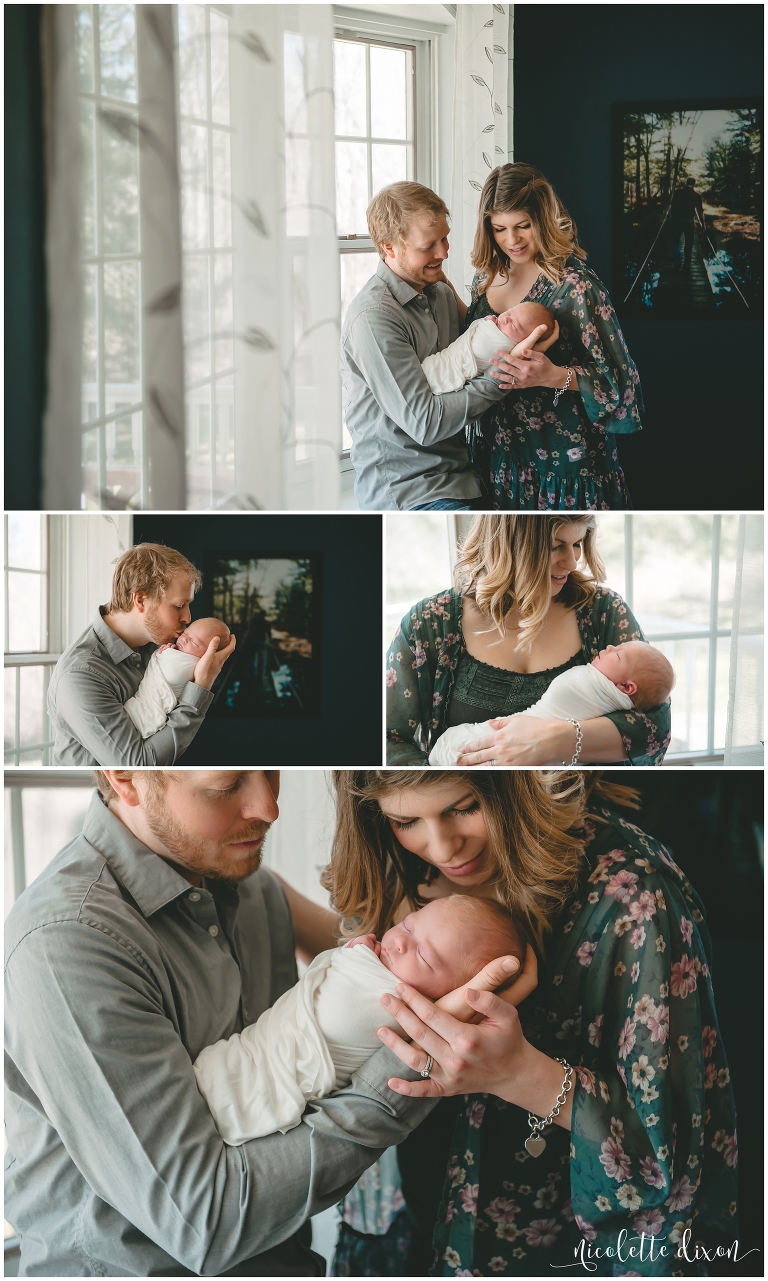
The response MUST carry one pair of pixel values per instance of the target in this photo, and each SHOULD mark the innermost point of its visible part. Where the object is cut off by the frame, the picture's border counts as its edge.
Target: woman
(550, 442)
(523, 609)
(645, 1139)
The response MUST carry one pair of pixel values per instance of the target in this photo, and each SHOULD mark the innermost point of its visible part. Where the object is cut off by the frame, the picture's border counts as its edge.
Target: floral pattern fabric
(625, 996)
(546, 456)
(422, 660)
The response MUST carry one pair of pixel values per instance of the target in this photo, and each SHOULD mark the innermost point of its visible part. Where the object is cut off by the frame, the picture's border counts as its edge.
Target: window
(676, 572)
(206, 218)
(28, 662)
(113, 454)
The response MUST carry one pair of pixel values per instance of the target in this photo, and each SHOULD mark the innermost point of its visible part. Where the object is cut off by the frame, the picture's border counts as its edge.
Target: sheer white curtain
(192, 258)
(482, 132)
(744, 733)
(299, 844)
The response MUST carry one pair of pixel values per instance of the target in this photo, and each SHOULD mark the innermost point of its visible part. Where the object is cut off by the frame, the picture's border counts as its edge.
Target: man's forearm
(99, 721)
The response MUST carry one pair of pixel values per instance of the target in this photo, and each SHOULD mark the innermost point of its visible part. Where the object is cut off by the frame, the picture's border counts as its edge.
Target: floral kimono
(542, 455)
(625, 996)
(422, 660)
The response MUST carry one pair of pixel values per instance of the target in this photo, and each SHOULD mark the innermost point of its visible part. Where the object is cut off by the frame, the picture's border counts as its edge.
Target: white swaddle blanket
(581, 693)
(160, 689)
(468, 356)
(309, 1043)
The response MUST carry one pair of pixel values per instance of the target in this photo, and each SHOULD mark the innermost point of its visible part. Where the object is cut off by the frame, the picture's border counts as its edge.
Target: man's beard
(208, 858)
(157, 632)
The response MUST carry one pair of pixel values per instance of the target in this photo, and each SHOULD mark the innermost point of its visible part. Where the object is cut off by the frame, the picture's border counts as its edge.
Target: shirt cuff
(377, 1071)
(195, 696)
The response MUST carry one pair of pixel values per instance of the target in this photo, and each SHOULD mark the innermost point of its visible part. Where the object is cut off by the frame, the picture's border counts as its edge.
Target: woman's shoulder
(604, 599)
(434, 614)
(621, 854)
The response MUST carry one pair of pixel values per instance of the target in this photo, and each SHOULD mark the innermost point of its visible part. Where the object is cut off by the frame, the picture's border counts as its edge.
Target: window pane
(729, 533)
(418, 561)
(9, 676)
(90, 388)
(389, 114)
(117, 37)
(672, 557)
(194, 186)
(120, 184)
(388, 164)
(84, 44)
(31, 706)
(25, 540)
(351, 188)
(53, 816)
(195, 298)
(199, 447)
(355, 270)
(219, 67)
(123, 441)
(223, 312)
(121, 331)
(689, 699)
(349, 88)
(222, 191)
(25, 615)
(88, 136)
(225, 438)
(90, 465)
(192, 74)
(610, 544)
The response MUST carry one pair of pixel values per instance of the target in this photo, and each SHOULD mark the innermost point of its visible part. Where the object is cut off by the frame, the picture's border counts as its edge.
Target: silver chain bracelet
(534, 1144)
(579, 741)
(559, 390)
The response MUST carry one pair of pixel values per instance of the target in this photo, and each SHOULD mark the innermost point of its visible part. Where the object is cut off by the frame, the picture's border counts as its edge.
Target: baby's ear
(629, 688)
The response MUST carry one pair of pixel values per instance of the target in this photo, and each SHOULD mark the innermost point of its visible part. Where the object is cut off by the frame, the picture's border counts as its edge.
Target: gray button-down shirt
(91, 682)
(118, 972)
(408, 445)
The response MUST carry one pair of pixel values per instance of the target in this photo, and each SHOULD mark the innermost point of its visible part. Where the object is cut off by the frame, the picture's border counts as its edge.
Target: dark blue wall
(701, 447)
(348, 730)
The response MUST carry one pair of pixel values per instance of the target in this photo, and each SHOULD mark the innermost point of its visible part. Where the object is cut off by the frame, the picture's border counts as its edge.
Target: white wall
(84, 549)
(298, 846)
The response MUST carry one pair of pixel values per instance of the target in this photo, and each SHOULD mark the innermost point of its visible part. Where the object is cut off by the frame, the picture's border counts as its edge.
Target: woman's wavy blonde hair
(535, 821)
(519, 187)
(504, 563)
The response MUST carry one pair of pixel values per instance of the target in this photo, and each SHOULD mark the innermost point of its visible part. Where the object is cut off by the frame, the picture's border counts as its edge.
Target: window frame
(15, 660)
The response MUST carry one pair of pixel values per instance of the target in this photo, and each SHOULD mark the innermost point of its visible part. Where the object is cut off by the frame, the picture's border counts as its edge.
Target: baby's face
(617, 662)
(195, 640)
(424, 950)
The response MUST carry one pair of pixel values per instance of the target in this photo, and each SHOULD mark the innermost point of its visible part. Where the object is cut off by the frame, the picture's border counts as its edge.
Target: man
(152, 589)
(687, 207)
(151, 935)
(409, 448)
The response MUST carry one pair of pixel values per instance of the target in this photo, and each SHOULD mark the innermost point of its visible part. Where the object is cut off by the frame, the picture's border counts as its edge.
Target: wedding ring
(491, 763)
(427, 1068)
(514, 381)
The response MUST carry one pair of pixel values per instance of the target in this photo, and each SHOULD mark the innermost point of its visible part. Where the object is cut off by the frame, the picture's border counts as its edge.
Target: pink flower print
(542, 453)
(595, 1030)
(730, 1151)
(635, 972)
(708, 1041)
(644, 1008)
(420, 658)
(650, 1222)
(475, 1113)
(658, 1024)
(627, 1038)
(629, 395)
(686, 929)
(681, 1193)
(575, 453)
(586, 1079)
(683, 977)
(652, 1172)
(620, 412)
(502, 1210)
(586, 1229)
(535, 424)
(710, 1076)
(497, 1264)
(621, 1073)
(437, 700)
(542, 1232)
(643, 908)
(567, 1211)
(622, 885)
(451, 1212)
(614, 1158)
(585, 953)
(637, 937)
(469, 1198)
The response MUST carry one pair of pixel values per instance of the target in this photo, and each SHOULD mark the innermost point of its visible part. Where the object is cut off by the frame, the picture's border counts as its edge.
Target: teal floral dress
(625, 996)
(424, 655)
(542, 456)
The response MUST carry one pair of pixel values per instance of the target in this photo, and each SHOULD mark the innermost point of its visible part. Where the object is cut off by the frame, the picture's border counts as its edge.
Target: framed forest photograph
(271, 604)
(688, 209)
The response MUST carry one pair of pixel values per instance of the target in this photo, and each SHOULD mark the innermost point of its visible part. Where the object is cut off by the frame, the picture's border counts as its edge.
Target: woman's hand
(522, 740)
(527, 366)
(502, 976)
(546, 343)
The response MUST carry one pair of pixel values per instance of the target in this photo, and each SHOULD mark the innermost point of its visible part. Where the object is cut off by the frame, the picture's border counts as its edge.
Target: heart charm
(535, 1145)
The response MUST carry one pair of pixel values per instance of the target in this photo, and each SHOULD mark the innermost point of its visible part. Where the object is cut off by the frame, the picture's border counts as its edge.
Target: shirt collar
(151, 882)
(116, 648)
(401, 291)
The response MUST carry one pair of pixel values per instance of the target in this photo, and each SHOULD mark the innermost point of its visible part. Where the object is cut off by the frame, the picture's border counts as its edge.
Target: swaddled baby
(316, 1035)
(622, 677)
(168, 671)
(470, 355)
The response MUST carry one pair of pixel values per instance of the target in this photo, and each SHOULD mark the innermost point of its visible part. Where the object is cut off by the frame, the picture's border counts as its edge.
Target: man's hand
(209, 666)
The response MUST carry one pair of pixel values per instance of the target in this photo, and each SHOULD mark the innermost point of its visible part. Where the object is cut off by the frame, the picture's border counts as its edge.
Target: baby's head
(448, 942)
(638, 670)
(520, 321)
(196, 638)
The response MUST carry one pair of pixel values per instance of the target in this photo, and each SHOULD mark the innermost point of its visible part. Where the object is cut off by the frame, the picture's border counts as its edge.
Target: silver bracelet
(579, 741)
(534, 1144)
(559, 390)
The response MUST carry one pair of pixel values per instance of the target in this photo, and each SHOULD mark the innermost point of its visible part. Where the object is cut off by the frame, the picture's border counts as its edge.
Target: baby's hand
(367, 940)
(170, 645)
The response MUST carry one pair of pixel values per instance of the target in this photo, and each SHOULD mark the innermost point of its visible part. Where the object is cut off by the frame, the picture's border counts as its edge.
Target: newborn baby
(469, 355)
(622, 677)
(168, 671)
(321, 1031)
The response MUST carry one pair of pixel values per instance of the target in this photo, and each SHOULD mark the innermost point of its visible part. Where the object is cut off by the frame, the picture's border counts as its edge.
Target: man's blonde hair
(393, 209)
(155, 781)
(149, 568)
